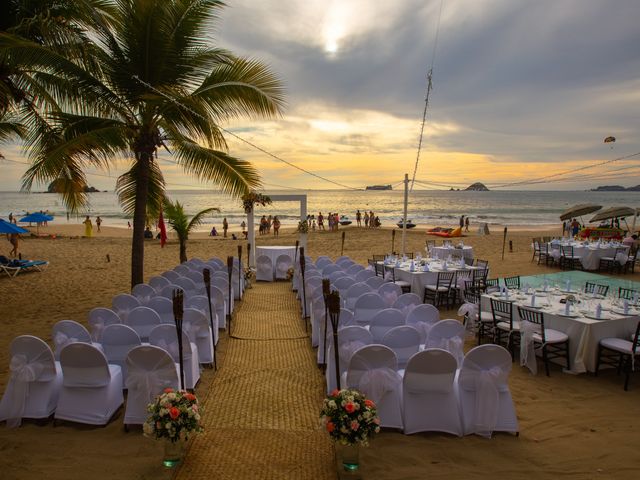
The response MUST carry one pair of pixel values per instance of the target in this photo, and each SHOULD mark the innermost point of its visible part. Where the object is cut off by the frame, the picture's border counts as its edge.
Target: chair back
(165, 337)
(370, 357)
(404, 340)
(171, 275)
(407, 302)
(322, 261)
(383, 321)
(143, 320)
(628, 293)
(533, 316)
(122, 304)
(375, 282)
(181, 269)
(354, 269)
(567, 250)
(196, 323)
(66, 332)
(333, 276)
(143, 292)
(445, 279)
(117, 341)
(502, 311)
(31, 359)
(482, 264)
(188, 285)
(264, 268)
(363, 275)
(158, 282)
(422, 318)
(366, 306)
(99, 319)
(330, 268)
(84, 365)
(196, 276)
(163, 306)
(201, 303)
(354, 292)
(448, 335)
(390, 292)
(283, 264)
(489, 358)
(378, 268)
(216, 262)
(350, 340)
(596, 288)
(431, 370)
(512, 282)
(169, 290)
(150, 371)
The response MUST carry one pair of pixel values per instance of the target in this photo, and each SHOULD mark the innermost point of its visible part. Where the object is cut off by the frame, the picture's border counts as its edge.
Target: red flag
(163, 230)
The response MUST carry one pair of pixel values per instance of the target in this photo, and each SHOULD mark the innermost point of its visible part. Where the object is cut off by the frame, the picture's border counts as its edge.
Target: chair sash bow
(148, 383)
(23, 372)
(378, 381)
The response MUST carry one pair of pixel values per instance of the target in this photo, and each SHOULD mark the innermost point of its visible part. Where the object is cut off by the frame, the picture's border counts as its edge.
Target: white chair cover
(264, 269)
(353, 269)
(151, 370)
(143, 320)
(91, 389)
(122, 304)
(165, 337)
(389, 292)
(66, 332)
(158, 282)
(350, 339)
(143, 293)
(189, 287)
(366, 307)
(407, 302)
(171, 275)
(99, 319)
(404, 341)
(181, 269)
(383, 321)
(34, 382)
(373, 371)
(354, 292)
(363, 275)
(283, 264)
(375, 282)
(201, 303)
(527, 345)
(423, 317)
(163, 307)
(484, 391)
(117, 341)
(448, 335)
(430, 401)
(322, 261)
(196, 324)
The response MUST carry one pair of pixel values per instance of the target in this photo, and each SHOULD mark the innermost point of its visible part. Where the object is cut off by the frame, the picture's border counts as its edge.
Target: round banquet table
(589, 255)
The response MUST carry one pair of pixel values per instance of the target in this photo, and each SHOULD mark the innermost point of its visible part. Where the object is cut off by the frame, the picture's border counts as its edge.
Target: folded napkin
(412, 267)
(567, 308)
(598, 311)
(625, 305)
(425, 268)
(533, 299)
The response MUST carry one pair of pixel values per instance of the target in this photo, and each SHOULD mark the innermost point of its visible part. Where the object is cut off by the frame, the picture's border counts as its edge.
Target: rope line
(251, 144)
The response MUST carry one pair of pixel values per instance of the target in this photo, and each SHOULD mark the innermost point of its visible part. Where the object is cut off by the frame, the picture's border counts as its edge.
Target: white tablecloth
(443, 252)
(418, 279)
(273, 252)
(584, 333)
(589, 255)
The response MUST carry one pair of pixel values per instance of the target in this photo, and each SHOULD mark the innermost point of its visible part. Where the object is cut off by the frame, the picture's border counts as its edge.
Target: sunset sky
(521, 90)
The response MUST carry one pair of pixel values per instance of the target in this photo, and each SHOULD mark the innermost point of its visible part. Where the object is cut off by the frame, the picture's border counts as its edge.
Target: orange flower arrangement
(349, 417)
(174, 414)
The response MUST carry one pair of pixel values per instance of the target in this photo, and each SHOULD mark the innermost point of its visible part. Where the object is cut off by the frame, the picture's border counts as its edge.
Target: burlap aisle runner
(261, 413)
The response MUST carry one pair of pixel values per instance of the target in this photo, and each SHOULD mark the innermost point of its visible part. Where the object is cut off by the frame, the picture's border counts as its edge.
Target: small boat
(344, 220)
(410, 224)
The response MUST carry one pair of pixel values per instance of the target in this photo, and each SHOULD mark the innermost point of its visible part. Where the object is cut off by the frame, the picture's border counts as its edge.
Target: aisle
(261, 410)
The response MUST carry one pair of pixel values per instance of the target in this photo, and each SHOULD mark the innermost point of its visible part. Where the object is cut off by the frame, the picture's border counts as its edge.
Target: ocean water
(426, 207)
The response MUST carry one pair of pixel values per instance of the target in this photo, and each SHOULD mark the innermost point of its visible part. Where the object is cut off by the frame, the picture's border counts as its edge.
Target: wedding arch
(276, 198)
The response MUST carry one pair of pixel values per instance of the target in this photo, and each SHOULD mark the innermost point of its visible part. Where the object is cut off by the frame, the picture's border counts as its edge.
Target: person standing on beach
(359, 218)
(11, 217)
(466, 224)
(225, 227)
(98, 222)
(320, 221)
(129, 225)
(372, 219)
(88, 227)
(366, 219)
(14, 239)
(461, 221)
(276, 226)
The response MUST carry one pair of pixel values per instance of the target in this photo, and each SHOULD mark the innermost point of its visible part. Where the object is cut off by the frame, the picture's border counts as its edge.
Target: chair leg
(566, 349)
(627, 369)
(598, 360)
(546, 360)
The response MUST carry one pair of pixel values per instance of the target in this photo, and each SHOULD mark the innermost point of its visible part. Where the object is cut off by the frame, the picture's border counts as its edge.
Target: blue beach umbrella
(8, 228)
(38, 218)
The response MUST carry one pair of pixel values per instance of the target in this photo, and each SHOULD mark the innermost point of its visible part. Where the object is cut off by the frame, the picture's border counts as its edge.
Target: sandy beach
(572, 426)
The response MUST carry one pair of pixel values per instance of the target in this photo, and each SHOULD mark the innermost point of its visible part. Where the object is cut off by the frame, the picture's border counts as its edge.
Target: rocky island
(616, 188)
(477, 187)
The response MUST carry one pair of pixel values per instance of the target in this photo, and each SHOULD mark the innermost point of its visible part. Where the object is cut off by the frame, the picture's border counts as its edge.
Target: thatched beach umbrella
(614, 212)
(579, 210)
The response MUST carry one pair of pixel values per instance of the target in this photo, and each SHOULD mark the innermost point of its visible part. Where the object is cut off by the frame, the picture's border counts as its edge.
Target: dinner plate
(620, 311)
(571, 315)
(592, 316)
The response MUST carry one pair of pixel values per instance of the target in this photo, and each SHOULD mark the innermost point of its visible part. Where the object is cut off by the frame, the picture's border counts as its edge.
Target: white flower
(332, 404)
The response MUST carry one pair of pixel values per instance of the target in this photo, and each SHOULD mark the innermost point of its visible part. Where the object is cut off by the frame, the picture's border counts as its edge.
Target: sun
(331, 46)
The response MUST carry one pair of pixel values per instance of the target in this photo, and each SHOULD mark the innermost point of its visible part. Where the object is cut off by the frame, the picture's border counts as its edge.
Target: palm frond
(233, 175)
(198, 218)
(126, 189)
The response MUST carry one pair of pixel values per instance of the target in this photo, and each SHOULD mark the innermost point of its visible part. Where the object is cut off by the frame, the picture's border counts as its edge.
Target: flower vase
(350, 457)
(173, 452)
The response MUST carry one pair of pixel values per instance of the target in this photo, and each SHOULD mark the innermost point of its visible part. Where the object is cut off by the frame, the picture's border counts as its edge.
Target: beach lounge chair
(14, 267)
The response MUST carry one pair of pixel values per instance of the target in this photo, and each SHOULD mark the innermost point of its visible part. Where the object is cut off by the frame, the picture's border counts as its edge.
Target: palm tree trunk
(183, 251)
(139, 219)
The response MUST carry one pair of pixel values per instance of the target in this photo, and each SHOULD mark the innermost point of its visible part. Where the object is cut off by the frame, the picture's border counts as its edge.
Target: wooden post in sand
(404, 214)
(240, 270)
(393, 240)
(229, 272)
(504, 241)
(304, 288)
(207, 284)
(326, 290)
(342, 247)
(178, 310)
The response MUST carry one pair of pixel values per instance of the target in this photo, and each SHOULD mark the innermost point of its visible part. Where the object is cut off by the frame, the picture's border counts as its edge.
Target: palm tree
(157, 82)
(180, 223)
